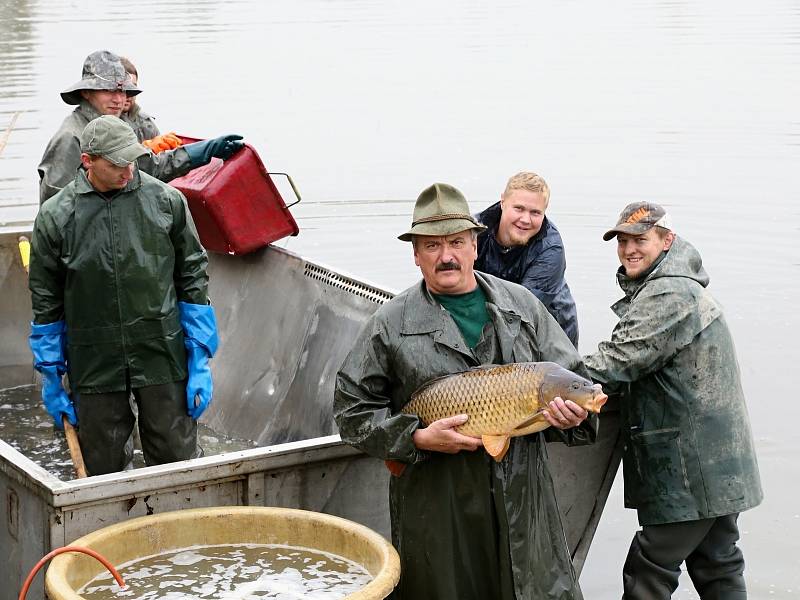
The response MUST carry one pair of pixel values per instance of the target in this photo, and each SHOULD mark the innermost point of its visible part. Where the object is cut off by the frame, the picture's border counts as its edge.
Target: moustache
(448, 266)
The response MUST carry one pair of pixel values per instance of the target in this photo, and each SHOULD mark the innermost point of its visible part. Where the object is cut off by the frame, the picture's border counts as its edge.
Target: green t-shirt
(468, 311)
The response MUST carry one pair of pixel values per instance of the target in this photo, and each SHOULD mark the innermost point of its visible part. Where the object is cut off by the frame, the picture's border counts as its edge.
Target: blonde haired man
(521, 245)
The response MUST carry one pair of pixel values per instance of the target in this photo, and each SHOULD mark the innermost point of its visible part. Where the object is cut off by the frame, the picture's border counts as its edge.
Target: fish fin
(395, 467)
(485, 367)
(496, 445)
(529, 420)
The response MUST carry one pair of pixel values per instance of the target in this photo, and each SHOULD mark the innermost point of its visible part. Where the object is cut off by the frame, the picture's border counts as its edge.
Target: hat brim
(125, 156)
(72, 95)
(440, 228)
(631, 229)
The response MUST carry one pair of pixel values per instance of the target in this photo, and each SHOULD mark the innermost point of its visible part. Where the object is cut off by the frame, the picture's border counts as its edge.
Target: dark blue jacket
(539, 266)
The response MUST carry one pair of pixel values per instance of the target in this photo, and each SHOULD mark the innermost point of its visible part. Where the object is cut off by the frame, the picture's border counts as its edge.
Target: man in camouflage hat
(102, 90)
(689, 462)
(119, 293)
(465, 526)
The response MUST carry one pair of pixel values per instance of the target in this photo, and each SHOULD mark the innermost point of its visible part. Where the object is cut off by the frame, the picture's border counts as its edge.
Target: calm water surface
(690, 104)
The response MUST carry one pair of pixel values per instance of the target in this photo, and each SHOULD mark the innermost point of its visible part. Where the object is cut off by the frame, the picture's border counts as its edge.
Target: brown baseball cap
(638, 218)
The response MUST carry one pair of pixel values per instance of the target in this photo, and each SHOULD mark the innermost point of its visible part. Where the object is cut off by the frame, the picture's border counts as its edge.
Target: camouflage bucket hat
(638, 218)
(102, 70)
(440, 210)
(113, 139)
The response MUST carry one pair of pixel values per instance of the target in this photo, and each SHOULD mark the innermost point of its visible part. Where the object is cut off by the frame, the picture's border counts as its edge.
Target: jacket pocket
(660, 463)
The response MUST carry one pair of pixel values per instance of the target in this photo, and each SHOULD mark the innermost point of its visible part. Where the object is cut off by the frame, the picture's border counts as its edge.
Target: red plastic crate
(235, 205)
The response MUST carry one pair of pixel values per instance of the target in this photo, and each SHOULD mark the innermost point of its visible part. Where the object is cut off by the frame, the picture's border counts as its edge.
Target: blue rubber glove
(48, 343)
(56, 400)
(201, 340)
(201, 153)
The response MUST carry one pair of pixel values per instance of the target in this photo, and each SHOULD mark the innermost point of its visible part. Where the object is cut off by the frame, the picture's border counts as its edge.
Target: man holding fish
(689, 462)
(467, 523)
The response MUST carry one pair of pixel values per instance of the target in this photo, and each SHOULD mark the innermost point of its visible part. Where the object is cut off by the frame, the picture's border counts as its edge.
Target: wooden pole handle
(72, 437)
(74, 448)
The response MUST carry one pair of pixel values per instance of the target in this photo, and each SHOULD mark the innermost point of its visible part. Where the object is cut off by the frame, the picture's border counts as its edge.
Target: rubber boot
(166, 430)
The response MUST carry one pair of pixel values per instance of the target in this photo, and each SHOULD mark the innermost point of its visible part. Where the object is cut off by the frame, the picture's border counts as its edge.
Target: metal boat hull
(285, 324)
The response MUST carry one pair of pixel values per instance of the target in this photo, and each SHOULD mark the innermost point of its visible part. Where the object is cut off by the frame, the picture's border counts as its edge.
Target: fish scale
(501, 401)
(496, 398)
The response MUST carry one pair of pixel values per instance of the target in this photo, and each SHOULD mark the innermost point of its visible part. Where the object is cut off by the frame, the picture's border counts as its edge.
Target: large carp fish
(502, 401)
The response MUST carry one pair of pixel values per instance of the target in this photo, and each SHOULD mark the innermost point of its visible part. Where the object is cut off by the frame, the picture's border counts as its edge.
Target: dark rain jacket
(688, 448)
(143, 125)
(465, 526)
(115, 270)
(62, 157)
(539, 265)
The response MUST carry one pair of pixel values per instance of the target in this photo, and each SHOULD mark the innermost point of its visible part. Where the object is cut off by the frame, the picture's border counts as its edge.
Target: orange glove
(166, 141)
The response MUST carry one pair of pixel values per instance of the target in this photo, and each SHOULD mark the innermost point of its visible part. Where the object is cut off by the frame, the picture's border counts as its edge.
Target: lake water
(690, 104)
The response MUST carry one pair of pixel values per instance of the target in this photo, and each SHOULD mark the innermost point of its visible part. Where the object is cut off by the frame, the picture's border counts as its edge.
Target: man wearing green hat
(102, 90)
(119, 292)
(465, 526)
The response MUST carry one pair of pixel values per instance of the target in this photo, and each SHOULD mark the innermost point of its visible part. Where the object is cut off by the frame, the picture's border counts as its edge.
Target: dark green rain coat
(115, 270)
(62, 157)
(464, 526)
(688, 450)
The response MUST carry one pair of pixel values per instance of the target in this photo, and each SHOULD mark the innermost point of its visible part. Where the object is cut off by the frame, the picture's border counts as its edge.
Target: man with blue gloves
(119, 291)
(102, 90)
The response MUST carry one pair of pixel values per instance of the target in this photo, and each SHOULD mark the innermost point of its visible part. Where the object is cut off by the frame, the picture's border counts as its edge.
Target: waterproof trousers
(713, 561)
(106, 421)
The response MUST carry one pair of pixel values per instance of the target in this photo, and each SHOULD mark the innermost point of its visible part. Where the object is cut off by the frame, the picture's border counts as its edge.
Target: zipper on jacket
(116, 282)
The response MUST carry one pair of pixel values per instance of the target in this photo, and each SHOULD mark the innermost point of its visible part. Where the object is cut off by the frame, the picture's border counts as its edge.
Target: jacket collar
(133, 112)
(423, 315)
(631, 287)
(87, 110)
(83, 186)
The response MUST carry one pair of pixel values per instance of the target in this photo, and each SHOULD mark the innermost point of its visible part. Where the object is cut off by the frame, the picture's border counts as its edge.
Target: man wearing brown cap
(689, 462)
(119, 293)
(465, 526)
(102, 90)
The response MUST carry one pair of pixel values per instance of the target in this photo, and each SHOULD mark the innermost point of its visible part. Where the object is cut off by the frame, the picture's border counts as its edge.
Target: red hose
(57, 551)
